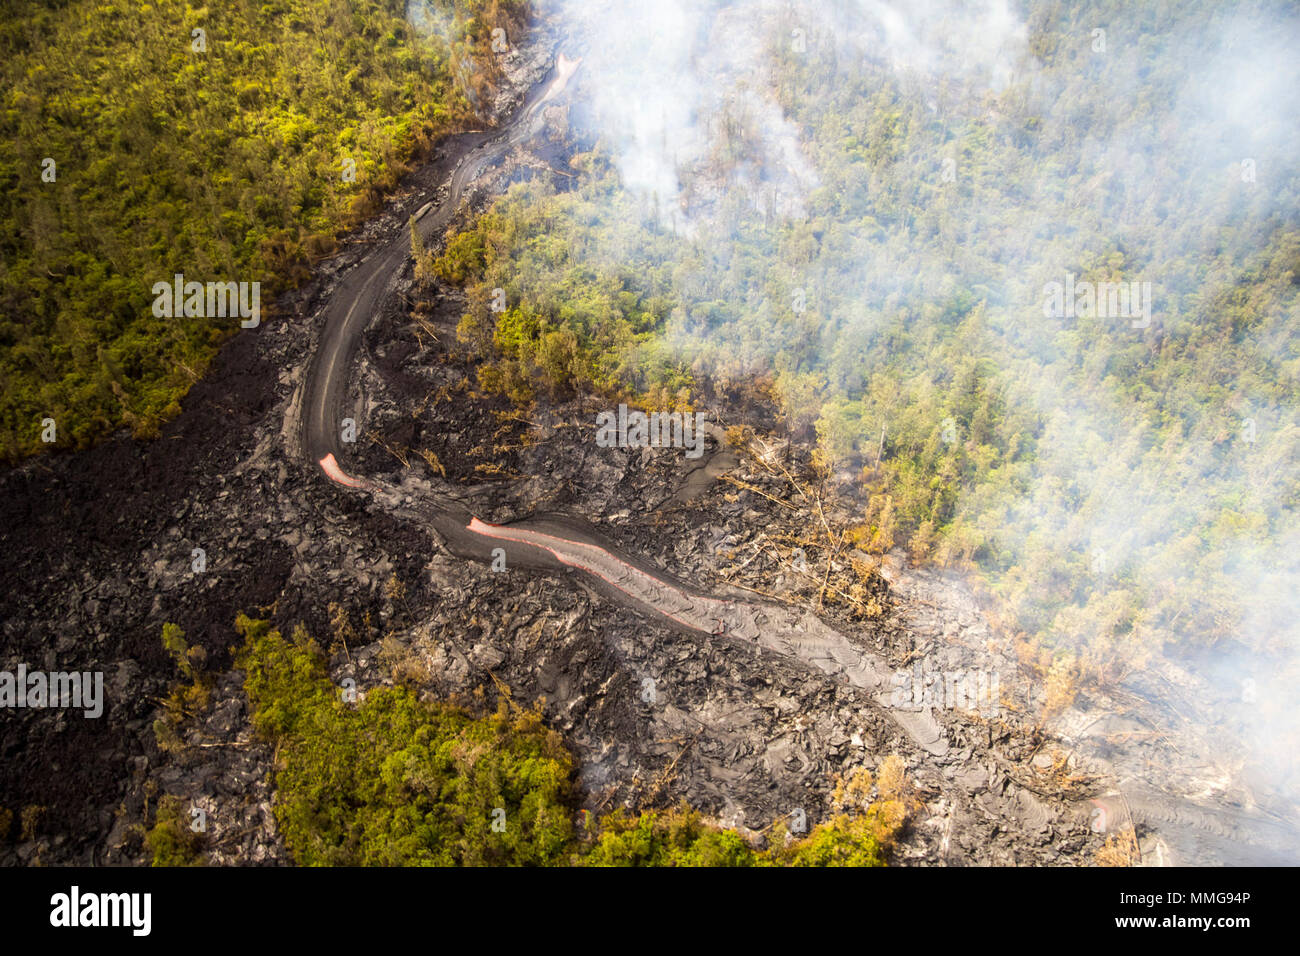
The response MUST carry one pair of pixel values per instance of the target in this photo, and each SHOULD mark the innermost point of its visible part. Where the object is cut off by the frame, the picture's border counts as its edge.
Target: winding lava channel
(557, 543)
(566, 543)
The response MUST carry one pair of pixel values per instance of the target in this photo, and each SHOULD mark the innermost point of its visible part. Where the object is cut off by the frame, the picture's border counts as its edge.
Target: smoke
(980, 42)
(1199, 530)
(677, 89)
(430, 19)
(1000, 149)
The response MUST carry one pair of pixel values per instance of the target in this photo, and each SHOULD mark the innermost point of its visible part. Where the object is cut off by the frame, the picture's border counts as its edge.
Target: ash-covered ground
(99, 547)
(99, 556)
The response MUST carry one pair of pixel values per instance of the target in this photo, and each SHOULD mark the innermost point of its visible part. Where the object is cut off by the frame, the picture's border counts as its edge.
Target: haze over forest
(863, 209)
(1018, 282)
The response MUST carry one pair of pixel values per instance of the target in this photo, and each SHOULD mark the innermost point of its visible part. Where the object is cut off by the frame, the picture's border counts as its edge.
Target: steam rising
(1149, 154)
(667, 83)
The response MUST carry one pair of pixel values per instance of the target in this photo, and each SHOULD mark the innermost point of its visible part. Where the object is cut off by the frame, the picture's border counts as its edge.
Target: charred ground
(98, 557)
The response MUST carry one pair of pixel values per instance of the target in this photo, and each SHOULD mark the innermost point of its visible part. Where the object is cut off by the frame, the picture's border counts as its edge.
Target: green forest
(393, 780)
(1118, 485)
(229, 142)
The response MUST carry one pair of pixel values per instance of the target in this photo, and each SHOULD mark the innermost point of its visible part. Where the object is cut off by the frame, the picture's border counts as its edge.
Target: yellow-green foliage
(566, 326)
(223, 165)
(843, 841)
(187, 697)
(674, 838)
(1116, 485)
(396, 781)
(170, 841)
(865, 824)
(867, 818)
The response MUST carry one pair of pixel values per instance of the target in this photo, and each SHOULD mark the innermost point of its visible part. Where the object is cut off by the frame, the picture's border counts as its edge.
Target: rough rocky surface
(99, 548)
